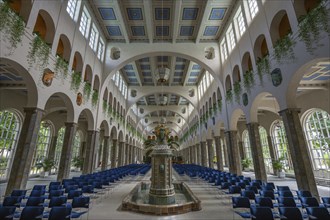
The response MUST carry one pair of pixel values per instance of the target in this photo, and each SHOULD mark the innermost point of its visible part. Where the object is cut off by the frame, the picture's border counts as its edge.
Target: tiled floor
(214, 205)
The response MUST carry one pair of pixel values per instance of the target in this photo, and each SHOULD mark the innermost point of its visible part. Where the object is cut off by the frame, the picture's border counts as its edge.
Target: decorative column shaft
(190, 155)
(105, 155)
(271, 150)
(241, 149)
(299, 152)
(113, 153)
(92, 141)
(233, 153)
(66, 153)
(51, 152)
(256, 150)
(218, 149)
(121, 153)
(210, 152)
(127, 152)
(204, 153)
(25, 149)
(199, 154)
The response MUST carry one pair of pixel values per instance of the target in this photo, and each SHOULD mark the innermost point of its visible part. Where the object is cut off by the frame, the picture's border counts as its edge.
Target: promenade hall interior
(242, 85)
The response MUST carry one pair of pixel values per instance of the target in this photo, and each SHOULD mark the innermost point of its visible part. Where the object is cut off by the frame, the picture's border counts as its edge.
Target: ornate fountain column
(161, 189)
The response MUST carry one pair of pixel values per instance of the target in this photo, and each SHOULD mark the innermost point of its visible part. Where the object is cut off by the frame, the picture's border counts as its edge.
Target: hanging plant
(87, 90)
(109, 110)
(61, 66)
(39, 52)
(11, 24)
(105, 106)
(75, 80)
(311, 24)
(248, 80)
(263, 66)
(95, 97)
(237, 91)
(283, 48)
(229, 95)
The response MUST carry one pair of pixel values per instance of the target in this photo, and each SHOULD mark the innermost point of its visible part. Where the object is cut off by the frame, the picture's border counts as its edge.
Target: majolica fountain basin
(138, 201)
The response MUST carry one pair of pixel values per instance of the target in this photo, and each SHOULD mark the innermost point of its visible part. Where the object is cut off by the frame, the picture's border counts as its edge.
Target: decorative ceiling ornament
(162, 74)
(162, 99)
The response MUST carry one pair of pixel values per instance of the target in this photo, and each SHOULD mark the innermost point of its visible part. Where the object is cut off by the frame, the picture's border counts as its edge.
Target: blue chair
(249, 194)
(285, 194)
(12, 201)
(326, 201)
(55, 193)
(264, 202)
(74, 193)
(60, 213)
(240, 184)
(7, 212)
(19, 192)
(283, 188)
(267, 193)
(253, 188)
(32, 213)
(70, 188)
(286, 202)
(304, 193)
(39, 187)
(256, 184)
(309, 202)
(318, 213)
(234, 190)
(35, 201)
(225, 185)
(270, 185)
(290, 213)
(261, 213)
(79, 202)
(55, 187)
(241, 202)
(37, 193)
(57, 201)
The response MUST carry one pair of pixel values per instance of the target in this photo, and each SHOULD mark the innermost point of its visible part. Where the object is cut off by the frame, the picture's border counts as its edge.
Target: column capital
(106, 137)
(33, 109)
(209, 141)
(252, 124)
(70, 124)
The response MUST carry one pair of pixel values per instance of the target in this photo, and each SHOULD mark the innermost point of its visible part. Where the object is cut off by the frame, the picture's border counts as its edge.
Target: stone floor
(214, 205)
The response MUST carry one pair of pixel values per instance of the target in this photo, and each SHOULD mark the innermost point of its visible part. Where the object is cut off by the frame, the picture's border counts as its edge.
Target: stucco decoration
(276, 75)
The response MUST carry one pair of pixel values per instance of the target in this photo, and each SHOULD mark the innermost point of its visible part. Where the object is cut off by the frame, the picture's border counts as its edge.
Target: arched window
(43, 141)
(265, 149)
(280, 143)
(317, 130)
(246, 145)
(9, 131)
(59, 145)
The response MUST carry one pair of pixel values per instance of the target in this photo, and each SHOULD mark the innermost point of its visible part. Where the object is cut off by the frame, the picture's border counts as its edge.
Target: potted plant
(279, 167)
(47, 165)
(77, 163)
(246, 163)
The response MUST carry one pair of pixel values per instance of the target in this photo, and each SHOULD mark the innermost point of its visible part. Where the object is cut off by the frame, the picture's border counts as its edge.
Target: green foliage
(311, 24)
(39, 52)
(104, 106)
(237, 91)
(77, 162)
(248, 80)
(220, 105)
(283, 48)
(279, 164)
(61, 66)
(229, 95)
(246, 163)
(11, 25)
(47, 164)
(87, 90)
(95, 97)
(75, 80)
(263, 66)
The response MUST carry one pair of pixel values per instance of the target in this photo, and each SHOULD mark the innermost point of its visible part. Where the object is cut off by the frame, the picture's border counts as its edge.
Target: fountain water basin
(138, 201)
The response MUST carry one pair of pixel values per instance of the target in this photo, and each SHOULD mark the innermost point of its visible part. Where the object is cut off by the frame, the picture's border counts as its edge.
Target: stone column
(82, 149)
(271, 150)
(52, 148)
(233, 152)
(191, 154)
(105, 154)
(66, 153)
(126, 154)
(132, 154)
(241, 149)
(121, 153)
(113, 153)
(25, 150)
(256, 150)
(204, 153)
(299, 151)
(218, 149)
(210, 152)
(198, 154)
(91, 142)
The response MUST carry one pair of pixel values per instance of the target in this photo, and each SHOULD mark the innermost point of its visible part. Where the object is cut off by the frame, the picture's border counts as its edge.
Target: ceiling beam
(176, 19)
(121, 19)
(137, 69)
(187, 72)
(153, 67)
(172, 69)
(149, 19)
(207, 10)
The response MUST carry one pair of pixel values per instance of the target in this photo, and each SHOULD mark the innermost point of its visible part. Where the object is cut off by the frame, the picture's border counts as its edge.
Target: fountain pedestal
(161, 188)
